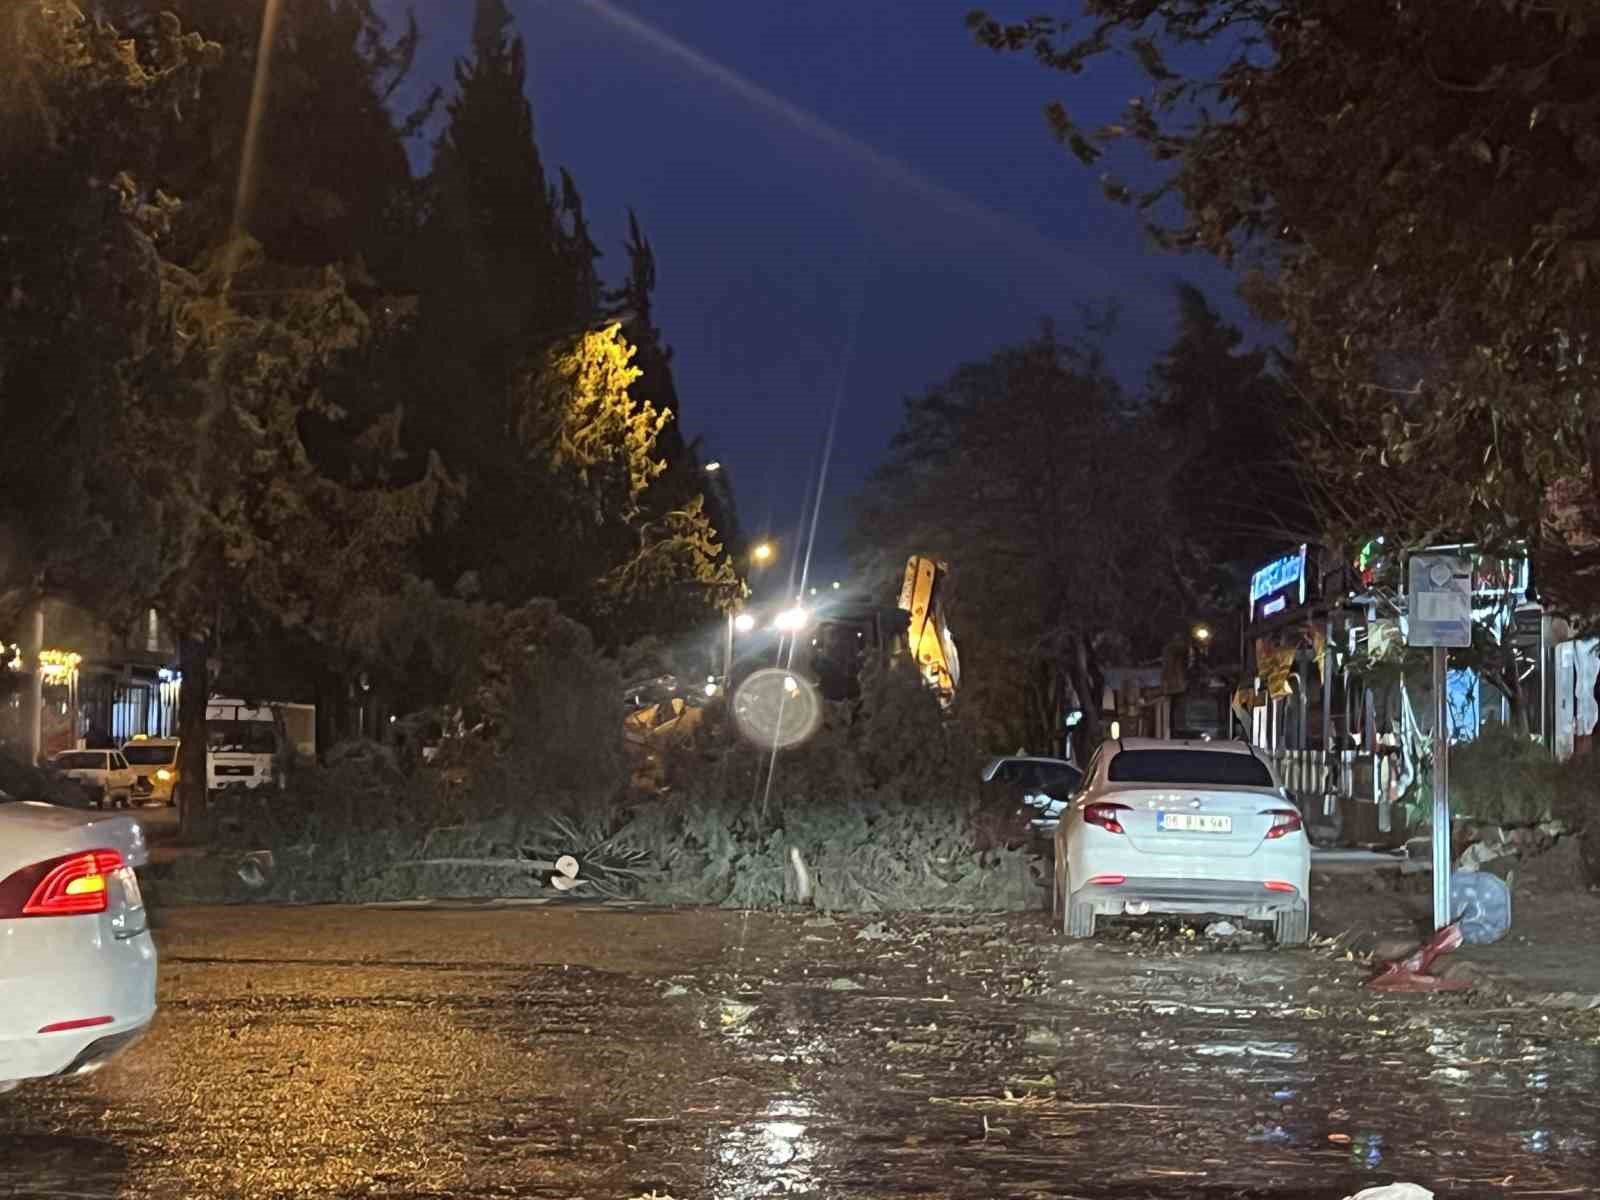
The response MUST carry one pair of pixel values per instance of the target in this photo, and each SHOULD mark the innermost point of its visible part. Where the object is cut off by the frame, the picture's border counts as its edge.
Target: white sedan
(1182, 827)
(77, 964)
(105, 773)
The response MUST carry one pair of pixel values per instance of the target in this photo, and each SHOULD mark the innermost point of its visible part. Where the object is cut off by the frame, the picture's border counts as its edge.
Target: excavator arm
(927, 633)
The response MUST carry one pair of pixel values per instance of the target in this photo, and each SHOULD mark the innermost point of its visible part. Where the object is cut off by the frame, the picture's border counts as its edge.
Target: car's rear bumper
(1252, 901)
(74, 1052)
(78, 982)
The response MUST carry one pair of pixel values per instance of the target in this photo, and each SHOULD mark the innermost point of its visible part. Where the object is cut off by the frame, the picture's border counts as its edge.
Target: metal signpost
(1440, 617)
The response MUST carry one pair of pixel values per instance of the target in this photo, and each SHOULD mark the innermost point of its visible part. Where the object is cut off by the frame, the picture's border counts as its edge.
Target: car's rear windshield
(82, 761)
(1200, 768)
(149, 756)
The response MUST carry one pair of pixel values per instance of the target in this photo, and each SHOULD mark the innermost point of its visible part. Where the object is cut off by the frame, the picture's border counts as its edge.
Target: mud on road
(604, 1053)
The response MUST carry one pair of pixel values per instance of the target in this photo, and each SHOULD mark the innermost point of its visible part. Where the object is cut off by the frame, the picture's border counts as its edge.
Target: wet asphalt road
(601, 1053)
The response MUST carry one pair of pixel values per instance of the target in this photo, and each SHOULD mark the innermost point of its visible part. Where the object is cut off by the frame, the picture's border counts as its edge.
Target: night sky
(846, 202)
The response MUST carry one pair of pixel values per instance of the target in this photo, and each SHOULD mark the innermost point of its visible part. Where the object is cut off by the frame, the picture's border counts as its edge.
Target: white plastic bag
(1393, 1191)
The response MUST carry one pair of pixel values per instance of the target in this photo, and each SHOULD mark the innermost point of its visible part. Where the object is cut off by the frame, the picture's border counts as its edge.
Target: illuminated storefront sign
(59, 666)
(1278, 586)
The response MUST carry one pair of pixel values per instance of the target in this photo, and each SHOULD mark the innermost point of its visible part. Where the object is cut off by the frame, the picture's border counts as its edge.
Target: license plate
(1193, 823)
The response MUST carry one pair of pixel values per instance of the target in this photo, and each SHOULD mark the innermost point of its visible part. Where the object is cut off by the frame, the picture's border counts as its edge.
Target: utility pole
(1330, 757)
(34, 711)
(1441, 791)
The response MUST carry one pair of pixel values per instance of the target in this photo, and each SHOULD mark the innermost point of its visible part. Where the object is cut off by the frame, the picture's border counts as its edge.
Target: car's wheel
(1293, 925)
(1079, 921)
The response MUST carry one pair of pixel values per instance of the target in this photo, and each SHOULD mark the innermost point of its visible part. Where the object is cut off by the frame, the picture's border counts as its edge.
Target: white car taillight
(1105, 816)
(70, 886)
(1284, 821)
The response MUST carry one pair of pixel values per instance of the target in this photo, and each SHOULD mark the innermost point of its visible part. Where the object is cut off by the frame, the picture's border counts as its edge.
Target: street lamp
(713, 467)
(744, 623)
(762, 552)
(1201, 633)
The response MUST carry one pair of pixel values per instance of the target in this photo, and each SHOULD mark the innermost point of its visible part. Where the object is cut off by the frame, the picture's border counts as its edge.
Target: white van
(248, 745)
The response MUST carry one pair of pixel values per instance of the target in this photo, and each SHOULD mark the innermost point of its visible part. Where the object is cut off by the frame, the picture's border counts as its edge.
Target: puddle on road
(1207, 1076)
(772, 1154)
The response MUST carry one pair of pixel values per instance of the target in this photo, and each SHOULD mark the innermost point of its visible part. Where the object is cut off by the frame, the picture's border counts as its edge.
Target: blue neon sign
(1279, 584)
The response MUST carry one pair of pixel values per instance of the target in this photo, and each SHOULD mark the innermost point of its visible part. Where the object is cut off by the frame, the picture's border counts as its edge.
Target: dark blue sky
(846, 200)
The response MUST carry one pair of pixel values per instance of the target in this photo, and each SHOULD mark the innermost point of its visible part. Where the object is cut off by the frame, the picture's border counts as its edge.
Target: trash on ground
(1221, 929)
(876, 932)
(735, 1014)
(1481, 852)
(843, 985)
(255, 868)
(1410, 974)
(1393, 1191)
(1482, 903)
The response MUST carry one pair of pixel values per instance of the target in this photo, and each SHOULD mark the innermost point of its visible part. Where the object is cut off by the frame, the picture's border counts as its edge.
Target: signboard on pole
(1440, 616)
(1439, 601)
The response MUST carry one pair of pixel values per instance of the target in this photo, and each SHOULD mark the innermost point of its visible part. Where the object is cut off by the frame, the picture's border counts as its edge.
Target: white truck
(252, 744)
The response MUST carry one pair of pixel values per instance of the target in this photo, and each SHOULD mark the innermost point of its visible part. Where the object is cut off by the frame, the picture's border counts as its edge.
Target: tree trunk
(1058, 712)
(1039, 733)
(1518, 708)
(333, 706)
(1089, 683)
(1510, 685)
(194, 663)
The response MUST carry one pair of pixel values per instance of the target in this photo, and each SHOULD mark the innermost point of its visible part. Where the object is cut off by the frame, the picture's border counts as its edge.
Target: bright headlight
(791, 619)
